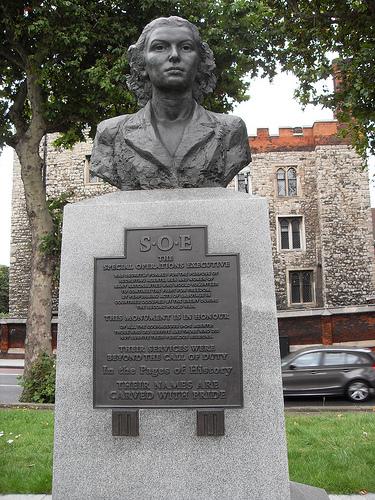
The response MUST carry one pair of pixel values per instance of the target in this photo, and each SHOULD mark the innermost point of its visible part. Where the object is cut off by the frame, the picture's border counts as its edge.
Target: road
(10, 389)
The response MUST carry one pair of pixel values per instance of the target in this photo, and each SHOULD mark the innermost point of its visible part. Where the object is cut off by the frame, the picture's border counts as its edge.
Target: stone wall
(66, 171)
(263, 179)
(20, 249)
(345, 226)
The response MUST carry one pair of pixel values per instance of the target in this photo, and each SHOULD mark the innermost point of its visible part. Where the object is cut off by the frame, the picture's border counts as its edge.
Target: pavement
(11, 363)
(369, 496)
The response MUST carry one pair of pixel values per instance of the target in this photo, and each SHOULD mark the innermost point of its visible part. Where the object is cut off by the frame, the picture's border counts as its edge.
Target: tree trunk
(38, 324)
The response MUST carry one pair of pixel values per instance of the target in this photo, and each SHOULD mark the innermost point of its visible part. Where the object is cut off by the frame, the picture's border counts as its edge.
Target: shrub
(39, 385)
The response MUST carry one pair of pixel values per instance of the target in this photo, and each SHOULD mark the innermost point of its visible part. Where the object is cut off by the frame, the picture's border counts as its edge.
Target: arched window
(286, 182)
(281, 182)
(292, 182)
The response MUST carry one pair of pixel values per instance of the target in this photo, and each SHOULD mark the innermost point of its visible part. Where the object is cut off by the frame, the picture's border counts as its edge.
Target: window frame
(285, 170)
(305, 354)
(247, 181)
(297, 131)
(289, 287)
(289, 217)
(359, 356)
(86, 173)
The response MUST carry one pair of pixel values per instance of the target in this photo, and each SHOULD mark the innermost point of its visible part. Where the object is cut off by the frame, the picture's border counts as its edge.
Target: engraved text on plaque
(167, 323)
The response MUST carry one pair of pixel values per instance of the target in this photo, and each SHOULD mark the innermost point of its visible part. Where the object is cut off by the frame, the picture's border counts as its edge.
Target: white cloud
(271, 105)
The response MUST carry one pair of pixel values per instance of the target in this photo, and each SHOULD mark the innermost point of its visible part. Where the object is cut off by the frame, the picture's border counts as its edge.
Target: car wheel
(358, 391)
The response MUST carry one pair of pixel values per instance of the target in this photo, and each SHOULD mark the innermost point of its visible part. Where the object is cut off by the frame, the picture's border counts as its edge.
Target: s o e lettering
(165, 243)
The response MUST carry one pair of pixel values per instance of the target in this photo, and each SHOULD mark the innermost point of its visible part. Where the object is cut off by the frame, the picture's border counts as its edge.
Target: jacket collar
(140, 135)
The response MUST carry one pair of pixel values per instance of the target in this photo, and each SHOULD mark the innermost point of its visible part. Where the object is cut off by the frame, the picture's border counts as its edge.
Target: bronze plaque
(167, 323)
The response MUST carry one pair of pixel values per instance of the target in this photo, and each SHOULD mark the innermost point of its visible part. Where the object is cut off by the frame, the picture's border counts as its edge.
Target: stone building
(321, 231)
(320, 220)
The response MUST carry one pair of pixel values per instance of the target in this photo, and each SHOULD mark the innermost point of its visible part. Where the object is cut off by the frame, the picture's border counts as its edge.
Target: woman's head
(138, 80)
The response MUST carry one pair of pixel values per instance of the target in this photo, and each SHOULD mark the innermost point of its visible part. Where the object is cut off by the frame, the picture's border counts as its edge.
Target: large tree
(325, 36)
(62, 69)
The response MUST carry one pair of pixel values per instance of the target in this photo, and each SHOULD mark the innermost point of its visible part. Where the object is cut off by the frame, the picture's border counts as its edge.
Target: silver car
(323, 371)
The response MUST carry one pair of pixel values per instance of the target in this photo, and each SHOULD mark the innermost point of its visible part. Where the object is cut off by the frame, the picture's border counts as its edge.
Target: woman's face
(171, 58)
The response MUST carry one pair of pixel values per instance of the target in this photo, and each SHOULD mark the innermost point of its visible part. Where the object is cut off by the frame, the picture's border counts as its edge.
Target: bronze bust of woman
(172, 142)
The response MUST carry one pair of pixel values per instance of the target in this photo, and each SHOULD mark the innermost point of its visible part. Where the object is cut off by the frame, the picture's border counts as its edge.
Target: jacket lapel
(198, 131)
(139, 134)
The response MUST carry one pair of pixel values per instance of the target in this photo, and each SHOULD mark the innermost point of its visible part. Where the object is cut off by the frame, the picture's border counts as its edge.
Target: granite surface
(168, 460)
(300, 491)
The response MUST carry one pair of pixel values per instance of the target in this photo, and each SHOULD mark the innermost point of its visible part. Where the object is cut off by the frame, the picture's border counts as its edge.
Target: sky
(271, 105)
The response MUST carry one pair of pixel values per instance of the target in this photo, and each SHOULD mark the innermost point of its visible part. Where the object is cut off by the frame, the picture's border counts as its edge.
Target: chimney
(338, 81)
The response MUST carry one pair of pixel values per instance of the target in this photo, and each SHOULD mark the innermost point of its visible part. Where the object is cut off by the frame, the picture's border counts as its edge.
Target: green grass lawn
(333, 451)
(26, 451)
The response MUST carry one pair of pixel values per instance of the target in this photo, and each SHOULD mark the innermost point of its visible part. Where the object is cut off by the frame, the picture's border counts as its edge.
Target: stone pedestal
(168, 460)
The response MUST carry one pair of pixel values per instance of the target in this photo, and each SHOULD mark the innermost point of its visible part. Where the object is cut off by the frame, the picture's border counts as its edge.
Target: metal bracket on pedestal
(210, 423)
(125, 423)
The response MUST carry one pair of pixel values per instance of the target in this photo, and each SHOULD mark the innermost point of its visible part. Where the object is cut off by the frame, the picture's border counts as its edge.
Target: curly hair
(138, 81)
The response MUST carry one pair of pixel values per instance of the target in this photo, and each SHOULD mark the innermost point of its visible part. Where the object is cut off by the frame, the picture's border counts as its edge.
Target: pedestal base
(168, 460)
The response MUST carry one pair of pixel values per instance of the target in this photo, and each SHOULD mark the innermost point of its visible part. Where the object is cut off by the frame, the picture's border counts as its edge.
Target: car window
(363, 359)
(355, 359)
(342, 358)
(309, 359)
(334, 358)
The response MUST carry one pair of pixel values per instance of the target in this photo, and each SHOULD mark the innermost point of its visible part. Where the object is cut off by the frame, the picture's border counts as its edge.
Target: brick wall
(301, 331)
(13, 333)
(297, 138)
(344, 327)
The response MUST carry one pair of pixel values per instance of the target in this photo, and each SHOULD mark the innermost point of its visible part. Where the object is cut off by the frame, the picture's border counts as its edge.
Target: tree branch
(21, 52)
(11, 57)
